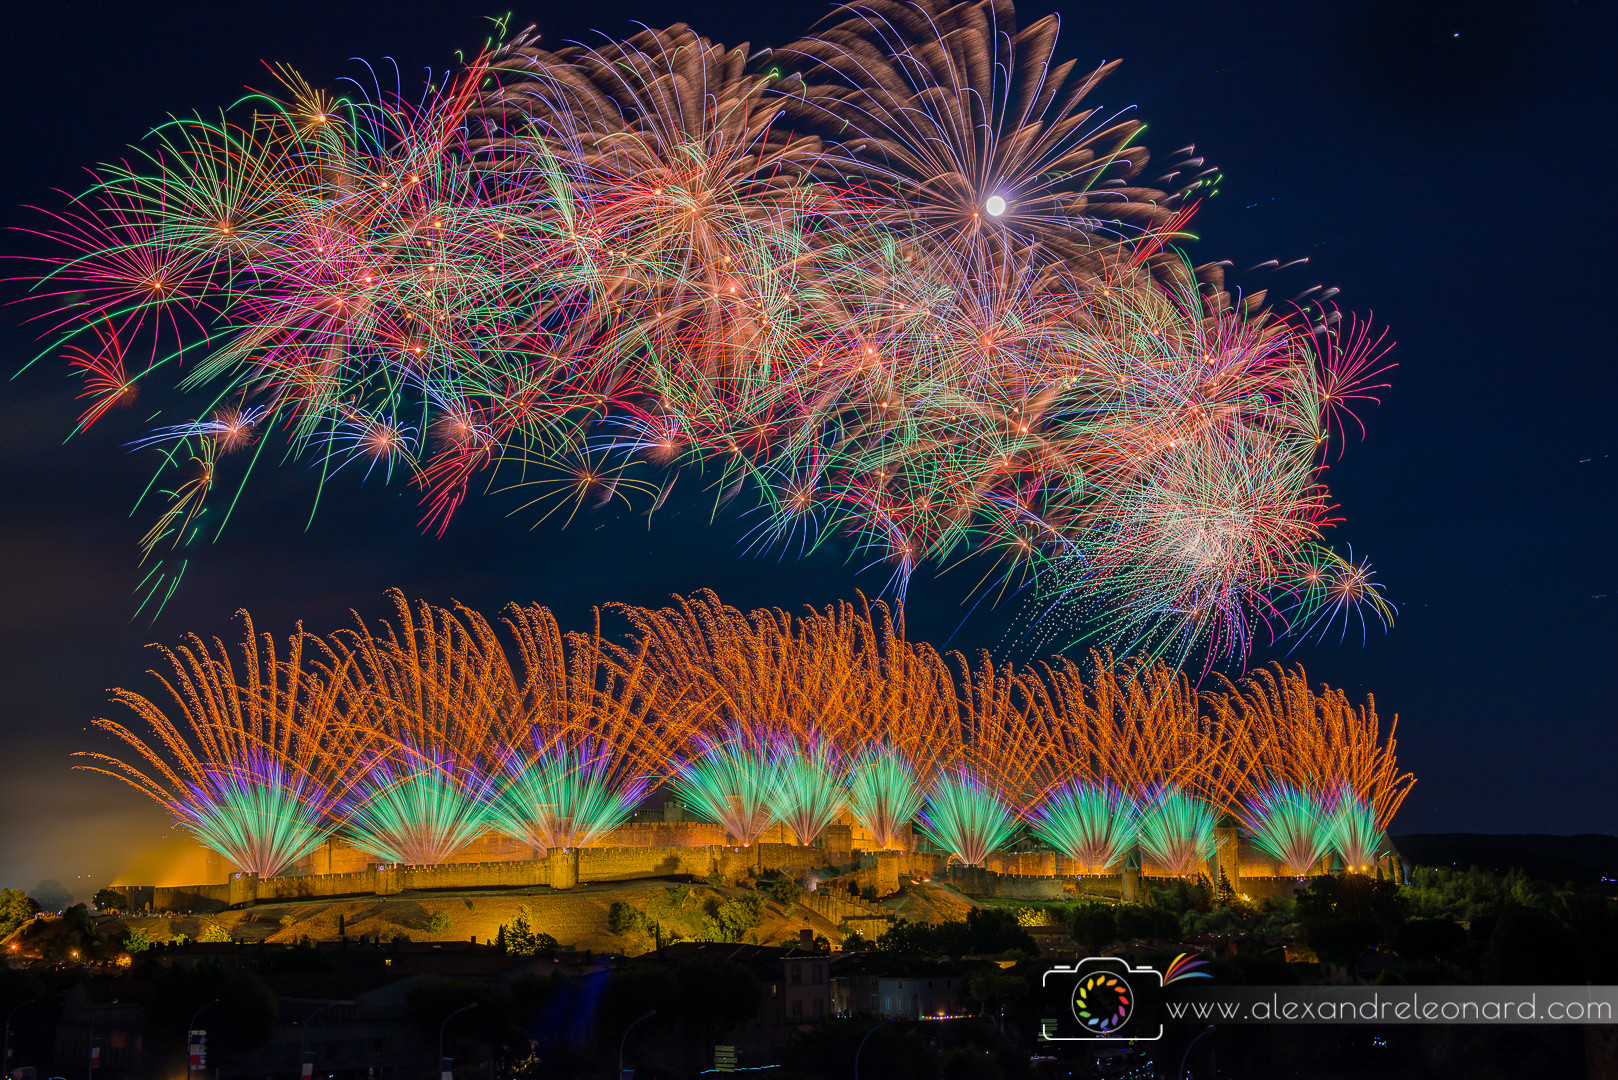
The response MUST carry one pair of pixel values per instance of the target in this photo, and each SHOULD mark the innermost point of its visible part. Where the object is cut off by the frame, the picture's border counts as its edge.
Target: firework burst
(259, 761)
(807, 795)
(732, 783)
(417, 735)
(1355, 834)
(884, 794)
(1289, 825)
(902, 283)
(1177, 831)
(1093, 826)
(965, 817)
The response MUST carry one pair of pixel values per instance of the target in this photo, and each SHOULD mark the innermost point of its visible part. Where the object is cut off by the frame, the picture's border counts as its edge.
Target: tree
(1141, 921)
(1093, 926)
(624, 918)
(1343, 916)
(1343, 940)
(1530, 945)
(16, 908)
(110, 900)
(995, 930)
(137, 940)
(1430, 939)
(994, 991)
(784, 891)
(521, 939)
(736, 915)
(50, 896)
(75, 932)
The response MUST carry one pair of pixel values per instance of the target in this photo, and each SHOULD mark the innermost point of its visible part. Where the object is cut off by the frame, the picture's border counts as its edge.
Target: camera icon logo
(1103, 1001)
(1103, 997)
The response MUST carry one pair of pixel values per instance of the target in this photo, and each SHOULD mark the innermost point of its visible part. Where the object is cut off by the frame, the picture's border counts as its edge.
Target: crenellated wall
(644, 861)
(649, 849)
(983, 882)
(314, 886)
(664, 834)
(190, 897)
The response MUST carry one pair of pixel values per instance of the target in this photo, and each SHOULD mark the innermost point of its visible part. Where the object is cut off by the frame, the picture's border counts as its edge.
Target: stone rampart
(190, 897)
(836, 909)
(487, 875)
(794, 860)
(642, 861)
(1023, 863)
(982, 883)
(663, 834)
(312, 886)
(647, 849)
(1269, 887)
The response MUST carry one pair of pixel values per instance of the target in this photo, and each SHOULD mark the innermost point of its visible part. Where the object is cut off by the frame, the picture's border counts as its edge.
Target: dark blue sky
(1447, 166)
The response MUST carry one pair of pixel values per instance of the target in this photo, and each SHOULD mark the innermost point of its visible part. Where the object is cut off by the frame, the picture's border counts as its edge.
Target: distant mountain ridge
(1585, 857)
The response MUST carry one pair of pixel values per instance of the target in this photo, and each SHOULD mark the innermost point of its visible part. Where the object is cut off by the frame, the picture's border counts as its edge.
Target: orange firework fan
(1315, 739)
(254, 761)
(417, 736)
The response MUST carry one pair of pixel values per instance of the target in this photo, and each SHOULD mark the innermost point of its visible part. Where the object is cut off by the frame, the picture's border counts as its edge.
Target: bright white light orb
(995, 206)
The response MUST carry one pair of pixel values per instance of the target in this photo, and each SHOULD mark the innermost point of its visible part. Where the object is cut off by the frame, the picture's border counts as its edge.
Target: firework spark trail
(561, 796)
(808, 794)
(884, 794)
(1355, 834)
(1316, 740)
(964, 816)
(1177, 831)
(1094, 825)
(1290, 825)
(254, 761)
(731, 782)
(917, 293)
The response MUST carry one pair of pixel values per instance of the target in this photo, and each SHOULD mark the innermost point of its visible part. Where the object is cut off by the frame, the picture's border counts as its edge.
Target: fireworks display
(1356, 835)
(416, 737)
(1289, 825)
(730, 782)
(901, 282)
(1177, 831)
(563, 797)
(965, 817)
(255, 760)
(807, 791)
(883, 794)
(1093, 825)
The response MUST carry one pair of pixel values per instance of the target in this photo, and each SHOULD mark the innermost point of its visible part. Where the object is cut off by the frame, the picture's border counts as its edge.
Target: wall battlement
(631, 852)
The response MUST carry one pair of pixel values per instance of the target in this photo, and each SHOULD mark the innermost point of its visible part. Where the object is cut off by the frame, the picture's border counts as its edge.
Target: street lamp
(5, 1061)
(623, 1041)
(303, 1026)
(445, 1024)
(188, 1029)
(1185, 1057)
(861, 1048)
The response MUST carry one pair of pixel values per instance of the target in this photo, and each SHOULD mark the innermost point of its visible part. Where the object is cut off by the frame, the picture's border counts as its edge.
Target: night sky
(1448, 169)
